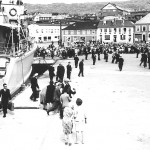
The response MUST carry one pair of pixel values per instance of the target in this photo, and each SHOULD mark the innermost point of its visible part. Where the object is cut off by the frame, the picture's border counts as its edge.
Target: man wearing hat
(67, 88)
(51, 70)
(34, 87)
(69, 69)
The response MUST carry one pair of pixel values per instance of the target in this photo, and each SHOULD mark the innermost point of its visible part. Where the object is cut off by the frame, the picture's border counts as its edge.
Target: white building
(46, 32)
(115, 30)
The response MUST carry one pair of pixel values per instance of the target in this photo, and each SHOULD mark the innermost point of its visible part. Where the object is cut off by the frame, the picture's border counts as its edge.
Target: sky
(61, 1)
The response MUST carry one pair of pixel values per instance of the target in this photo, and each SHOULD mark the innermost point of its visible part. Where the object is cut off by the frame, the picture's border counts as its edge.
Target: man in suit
(5, 97)
(120, 63)
(34, 87)
(51, 70)
(81, 67)
(76, 59)
(69, 69)
(60, 72)
(50, 93)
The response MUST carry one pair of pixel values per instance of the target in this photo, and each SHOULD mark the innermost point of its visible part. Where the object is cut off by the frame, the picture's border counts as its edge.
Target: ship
(16, 48)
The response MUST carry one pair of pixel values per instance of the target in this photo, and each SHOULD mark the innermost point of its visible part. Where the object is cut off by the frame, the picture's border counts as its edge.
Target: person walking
(69, 69)
(120, 63)
(81, 68)
(34, 87)
(51, 70)
(5, 98)
(76, 60)
(50, 94)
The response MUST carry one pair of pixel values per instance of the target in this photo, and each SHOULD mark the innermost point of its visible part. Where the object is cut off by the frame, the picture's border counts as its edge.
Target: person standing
(67, 124)
(34, 87)
(50, 94)
(60, 72)
(67, 88)
(94, 59)
(64, 99)
(51, 70)
(69, 69)
(56, 103)
(5, 97)
(145, 59)
(120, 63)
(76, 59)
(81, 68)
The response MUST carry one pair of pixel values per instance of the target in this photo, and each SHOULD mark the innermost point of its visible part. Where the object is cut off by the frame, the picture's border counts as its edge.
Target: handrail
(7, 48)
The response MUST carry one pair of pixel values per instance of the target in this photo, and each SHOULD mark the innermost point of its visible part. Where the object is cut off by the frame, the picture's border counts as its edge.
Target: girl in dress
(67, 124)
(80, 120)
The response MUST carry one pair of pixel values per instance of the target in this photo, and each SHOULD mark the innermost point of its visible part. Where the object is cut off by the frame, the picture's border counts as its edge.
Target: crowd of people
(58, 95)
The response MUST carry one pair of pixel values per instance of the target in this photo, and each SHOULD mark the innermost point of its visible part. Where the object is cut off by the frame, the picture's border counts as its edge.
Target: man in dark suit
(60, 72)
(51, 70)
(81, 67)
(5, 97)
(34, 87)
(69, 69)
(50, 93)
(120, 63)
(76, 59)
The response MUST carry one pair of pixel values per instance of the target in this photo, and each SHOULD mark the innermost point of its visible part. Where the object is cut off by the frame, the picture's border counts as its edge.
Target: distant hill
(83, 8)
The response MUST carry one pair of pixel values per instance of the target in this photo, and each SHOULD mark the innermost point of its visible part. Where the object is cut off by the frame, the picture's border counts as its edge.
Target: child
(67, 123)
(80, 120)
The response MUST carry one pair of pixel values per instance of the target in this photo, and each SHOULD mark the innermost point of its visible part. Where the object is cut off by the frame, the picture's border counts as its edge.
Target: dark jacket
(34, 83)
(67, 88)
(69, 68)
(51, 71)
(50, 94)
(81, 64)
(5, 96)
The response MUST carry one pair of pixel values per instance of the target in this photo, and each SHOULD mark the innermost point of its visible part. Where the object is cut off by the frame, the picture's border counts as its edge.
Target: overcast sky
(61, 1)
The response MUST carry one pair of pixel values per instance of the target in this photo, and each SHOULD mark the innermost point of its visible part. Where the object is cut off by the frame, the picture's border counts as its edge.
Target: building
(111, 9)
(142, 29)
(115, 30)
(46, 32)
(134, 16)
(49, 17)
(80, 31)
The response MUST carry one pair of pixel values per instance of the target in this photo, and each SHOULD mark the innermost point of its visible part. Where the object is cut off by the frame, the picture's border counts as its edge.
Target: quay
(116, 103)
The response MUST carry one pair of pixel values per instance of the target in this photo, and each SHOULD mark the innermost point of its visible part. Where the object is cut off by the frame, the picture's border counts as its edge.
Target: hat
(36, 74)
(66, 80)
(79, 101)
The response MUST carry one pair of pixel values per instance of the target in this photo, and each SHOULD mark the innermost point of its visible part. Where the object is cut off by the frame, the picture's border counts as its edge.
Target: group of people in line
(57, 97)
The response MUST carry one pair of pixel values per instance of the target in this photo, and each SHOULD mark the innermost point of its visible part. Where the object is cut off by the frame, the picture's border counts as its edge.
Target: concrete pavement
(117, 106)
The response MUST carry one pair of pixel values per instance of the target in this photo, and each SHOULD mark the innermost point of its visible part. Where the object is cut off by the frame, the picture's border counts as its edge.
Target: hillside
(83, 8)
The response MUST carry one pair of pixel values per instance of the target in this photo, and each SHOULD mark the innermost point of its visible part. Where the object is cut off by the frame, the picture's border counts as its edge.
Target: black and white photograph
(74, 74)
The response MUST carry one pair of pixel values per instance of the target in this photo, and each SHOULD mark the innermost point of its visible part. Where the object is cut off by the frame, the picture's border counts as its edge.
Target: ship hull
(18, 71)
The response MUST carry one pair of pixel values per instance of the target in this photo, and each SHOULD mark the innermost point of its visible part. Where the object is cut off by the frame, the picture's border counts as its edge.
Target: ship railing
(3, 65)
(13, 49)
